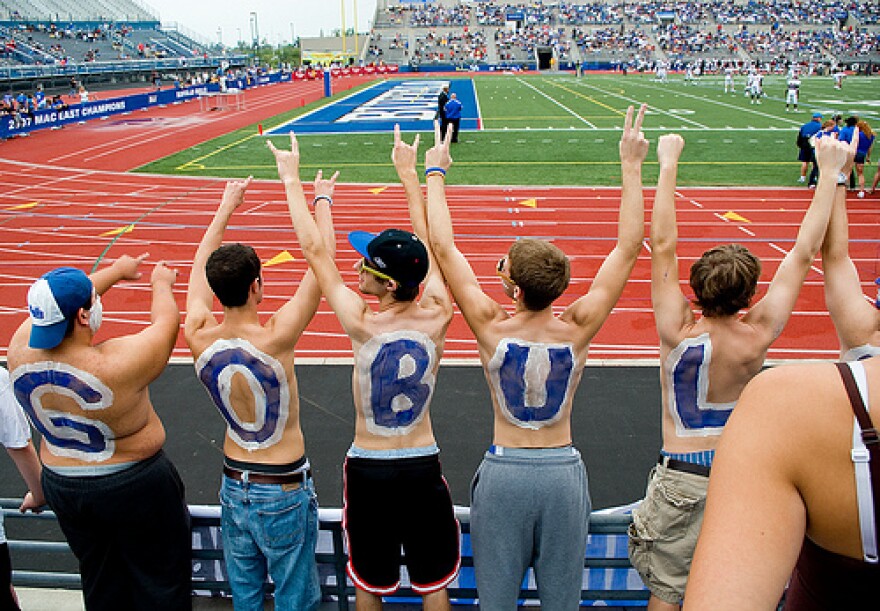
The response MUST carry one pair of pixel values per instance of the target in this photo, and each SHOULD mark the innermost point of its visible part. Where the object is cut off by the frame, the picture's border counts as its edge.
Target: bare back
(702, 377)
(397, 355)
(533, 363)
(90, 403)
(249, 375)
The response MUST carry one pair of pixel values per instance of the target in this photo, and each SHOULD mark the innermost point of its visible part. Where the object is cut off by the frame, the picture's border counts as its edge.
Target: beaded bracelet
(324, 197)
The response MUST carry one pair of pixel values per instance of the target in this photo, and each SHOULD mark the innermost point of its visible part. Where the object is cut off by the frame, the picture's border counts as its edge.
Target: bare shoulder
(797, 395)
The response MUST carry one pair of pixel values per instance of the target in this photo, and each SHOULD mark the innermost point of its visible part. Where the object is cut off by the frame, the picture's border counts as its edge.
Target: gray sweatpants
(530, 506)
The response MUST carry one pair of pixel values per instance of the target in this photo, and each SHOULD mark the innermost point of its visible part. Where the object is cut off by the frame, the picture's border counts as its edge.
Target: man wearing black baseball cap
(119, 500)
(392, 469)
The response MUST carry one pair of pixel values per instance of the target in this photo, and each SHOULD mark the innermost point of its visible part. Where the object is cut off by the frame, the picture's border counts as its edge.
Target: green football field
(563, 130)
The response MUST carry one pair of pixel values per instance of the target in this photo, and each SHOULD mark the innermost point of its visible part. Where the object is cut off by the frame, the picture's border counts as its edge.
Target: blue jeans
(267, 529)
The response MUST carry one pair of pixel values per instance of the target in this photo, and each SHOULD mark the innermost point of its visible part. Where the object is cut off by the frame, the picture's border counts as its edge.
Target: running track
(67, 199)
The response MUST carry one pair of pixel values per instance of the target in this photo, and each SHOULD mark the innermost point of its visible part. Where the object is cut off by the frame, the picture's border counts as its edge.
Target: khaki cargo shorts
(664, 531)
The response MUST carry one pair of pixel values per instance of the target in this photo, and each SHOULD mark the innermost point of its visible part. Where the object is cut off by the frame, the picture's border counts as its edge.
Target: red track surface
(72, 185)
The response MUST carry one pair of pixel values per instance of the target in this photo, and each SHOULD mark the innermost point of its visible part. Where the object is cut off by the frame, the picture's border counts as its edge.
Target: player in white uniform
(792, 94)
(729, 86)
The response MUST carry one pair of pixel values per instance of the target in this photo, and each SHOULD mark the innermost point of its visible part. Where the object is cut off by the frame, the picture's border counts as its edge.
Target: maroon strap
(869, 434)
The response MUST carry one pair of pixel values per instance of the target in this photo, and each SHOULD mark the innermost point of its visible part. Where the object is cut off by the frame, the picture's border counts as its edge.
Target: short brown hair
(541, 270)
(725, 279)
(230, 271)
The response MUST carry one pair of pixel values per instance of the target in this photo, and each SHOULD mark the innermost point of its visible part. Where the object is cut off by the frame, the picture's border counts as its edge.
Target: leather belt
(267, 478)
(687, 467)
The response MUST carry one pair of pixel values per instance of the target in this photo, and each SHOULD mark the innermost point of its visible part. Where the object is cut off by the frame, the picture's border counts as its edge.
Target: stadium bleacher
(637, 32)
(102, 43)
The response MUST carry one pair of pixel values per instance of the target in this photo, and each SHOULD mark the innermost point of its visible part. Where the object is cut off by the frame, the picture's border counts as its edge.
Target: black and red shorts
(394, 503)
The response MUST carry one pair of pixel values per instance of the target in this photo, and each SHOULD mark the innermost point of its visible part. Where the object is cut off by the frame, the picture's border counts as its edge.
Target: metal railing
(330, 561)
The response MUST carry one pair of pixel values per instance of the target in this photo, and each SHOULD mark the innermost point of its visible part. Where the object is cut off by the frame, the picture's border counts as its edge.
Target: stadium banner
(55, 118)
(410, 103)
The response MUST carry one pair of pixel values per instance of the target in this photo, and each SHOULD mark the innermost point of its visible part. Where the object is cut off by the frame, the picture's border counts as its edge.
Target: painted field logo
(408, 101)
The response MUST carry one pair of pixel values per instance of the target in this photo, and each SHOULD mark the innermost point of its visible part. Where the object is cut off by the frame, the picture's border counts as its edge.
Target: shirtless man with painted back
(532, 480)
(705, 362)
(392, 470)
(118, 499)
(247, 369)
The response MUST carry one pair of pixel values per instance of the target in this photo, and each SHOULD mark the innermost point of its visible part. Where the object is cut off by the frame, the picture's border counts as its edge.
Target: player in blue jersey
(706, 361)
(530, 502)
(395, 494)
(269, 507)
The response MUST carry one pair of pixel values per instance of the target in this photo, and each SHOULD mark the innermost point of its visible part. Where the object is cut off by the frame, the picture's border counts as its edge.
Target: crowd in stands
(764, 12)
(762, 29)
(527, 38)
(687, 40)
(610, 40)
(813, 43)
(584, 14)
(491, 13)
(456, 46)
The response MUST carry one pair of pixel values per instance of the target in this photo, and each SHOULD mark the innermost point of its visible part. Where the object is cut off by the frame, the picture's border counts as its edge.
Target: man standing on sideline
(119, 500)
(806, 154)
(705, 363)
(453, 117)
(442, 99)
(395, 494)
(15, 436)
(530, 500)
(269, 506)
(792, 93)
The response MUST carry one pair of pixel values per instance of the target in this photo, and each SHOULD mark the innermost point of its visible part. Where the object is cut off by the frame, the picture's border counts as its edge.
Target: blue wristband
(324, 197)
(429, 171)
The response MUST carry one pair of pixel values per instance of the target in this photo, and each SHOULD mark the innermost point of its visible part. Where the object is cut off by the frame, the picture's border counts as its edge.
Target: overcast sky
(276, 19)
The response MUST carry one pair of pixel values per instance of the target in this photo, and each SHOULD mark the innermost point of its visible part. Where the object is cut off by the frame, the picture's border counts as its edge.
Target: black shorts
(393, 503)
(806, 154)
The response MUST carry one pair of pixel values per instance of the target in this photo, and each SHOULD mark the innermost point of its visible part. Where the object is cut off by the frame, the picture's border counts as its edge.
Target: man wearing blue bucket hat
(118, 499)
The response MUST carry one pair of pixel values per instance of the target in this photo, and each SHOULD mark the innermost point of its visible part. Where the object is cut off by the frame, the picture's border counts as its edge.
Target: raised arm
(124, 268)
(348, 305)
(292, 318)
(146, 353)
(772, 312)
(855, 318)
(592, 309)
(199, 297)
(755, 516)
(671, 308)
(404, 157)
(477, 307)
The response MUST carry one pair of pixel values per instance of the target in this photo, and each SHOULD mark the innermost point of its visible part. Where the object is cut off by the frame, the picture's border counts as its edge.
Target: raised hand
(403, 155)
(438, 155)
(162, 274)
(287, 161)
(633, 144)
(233, 194)
(323, 186)
(128, 266)
(669, 148)
(834, 156)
